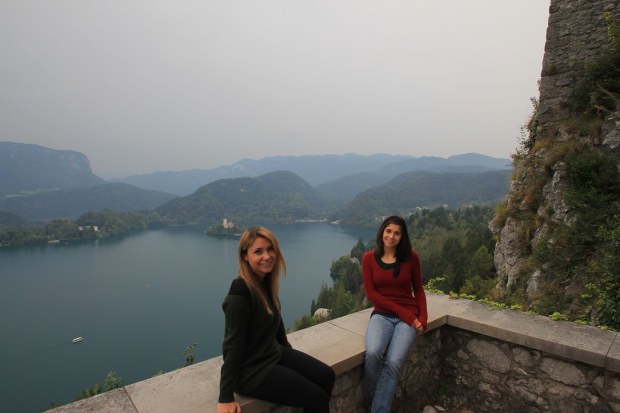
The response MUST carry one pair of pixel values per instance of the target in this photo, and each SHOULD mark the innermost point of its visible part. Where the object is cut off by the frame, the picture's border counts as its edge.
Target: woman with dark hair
(259, 361)
(393, 283)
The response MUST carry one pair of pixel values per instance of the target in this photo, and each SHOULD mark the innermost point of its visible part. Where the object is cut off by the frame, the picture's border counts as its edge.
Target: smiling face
(261, 256)
(392, 235)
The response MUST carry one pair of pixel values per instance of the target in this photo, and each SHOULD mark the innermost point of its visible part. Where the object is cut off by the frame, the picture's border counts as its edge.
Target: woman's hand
(232, 407)
(417, 325)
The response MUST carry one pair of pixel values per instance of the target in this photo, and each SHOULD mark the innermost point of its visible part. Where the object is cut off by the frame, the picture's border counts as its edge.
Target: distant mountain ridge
(317, 170)
(344, 189)
(71, 203)
(42, 184)
(26, 167)
(283, 196)
(314, 169)
(280, 196)
(422, 189)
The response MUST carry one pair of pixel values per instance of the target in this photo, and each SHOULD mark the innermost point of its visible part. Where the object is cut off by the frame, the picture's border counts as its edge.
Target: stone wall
(576, 34)
(454, 367)
(487, 359)
(418, 386)
(496, 376)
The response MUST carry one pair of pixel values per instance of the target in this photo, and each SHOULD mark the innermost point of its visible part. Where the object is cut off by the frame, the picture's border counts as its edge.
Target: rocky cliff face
(27, 168)
(578, 33)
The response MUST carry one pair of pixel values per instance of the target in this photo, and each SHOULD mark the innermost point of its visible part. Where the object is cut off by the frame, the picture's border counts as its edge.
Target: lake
(138, 301)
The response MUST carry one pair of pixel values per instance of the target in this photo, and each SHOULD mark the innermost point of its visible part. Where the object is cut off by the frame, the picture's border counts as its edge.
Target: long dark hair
(403, 249)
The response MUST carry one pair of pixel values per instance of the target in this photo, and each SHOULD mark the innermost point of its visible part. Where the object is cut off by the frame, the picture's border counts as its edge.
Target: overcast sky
(146, 85)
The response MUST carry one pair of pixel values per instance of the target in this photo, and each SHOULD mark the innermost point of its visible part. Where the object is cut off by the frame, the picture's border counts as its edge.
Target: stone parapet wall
(418, 386)
(576, 34)
(490, 360)
(497, 376)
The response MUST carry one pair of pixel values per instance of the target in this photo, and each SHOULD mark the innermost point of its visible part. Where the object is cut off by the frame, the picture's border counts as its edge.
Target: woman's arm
(418, 289)
(237, 313)
(373, 294)
(281, 335)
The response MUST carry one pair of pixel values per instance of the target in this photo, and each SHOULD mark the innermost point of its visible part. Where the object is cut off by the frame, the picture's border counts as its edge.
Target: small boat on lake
(77, 339)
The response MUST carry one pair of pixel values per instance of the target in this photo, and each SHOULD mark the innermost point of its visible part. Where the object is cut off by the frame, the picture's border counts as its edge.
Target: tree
(188, 354)
(112, 381)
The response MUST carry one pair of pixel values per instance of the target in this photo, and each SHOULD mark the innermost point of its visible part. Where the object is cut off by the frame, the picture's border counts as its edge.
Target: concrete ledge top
(563, 339)
(340, 344)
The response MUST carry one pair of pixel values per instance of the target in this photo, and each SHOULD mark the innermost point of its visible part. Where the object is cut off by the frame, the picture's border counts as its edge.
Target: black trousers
(298, 380)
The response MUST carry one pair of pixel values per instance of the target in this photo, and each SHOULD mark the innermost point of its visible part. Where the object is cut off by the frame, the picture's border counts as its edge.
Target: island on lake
(226, 229)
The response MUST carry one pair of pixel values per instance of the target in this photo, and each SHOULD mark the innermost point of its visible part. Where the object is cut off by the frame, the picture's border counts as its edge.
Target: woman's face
(392, 235)
(261, 256)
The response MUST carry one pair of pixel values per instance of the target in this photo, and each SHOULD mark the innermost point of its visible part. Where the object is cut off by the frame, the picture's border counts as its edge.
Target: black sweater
(252, 340)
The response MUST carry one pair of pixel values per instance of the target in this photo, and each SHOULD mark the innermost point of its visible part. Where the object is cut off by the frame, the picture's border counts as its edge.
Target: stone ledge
(340, 344)
(563, 339)
(114, 401)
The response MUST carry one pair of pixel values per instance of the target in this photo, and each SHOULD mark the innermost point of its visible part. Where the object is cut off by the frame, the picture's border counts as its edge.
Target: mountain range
(32, 168)
(40, 184)
(317, 170)
(280, 196)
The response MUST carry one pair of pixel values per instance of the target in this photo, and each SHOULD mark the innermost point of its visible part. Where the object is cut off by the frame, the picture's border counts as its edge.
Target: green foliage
(229, 231)
(556, 316)
(346, 295)
(73, 202)
(613, 31)
(412, 191)
(435, 285)
(456, 250)
(583, 255)
(597, 92)
(281, 197)
(25, 167)
(89, 226)
(111, 382)
(305, 321)
(479, 287)
(358, 250)
(455, 245)
(11, 221)
(528, 133)
(188, 354)
(348, 272)
(90, 391)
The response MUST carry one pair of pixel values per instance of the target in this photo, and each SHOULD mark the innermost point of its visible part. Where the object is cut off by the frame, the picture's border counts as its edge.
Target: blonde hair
(251, 279)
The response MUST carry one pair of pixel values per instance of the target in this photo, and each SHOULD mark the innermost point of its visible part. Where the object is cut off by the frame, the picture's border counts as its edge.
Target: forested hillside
(273, 197)
(343, 190)
(412, 191)
(73, 202)
(9, 220)
(31, 168)
(456, 250)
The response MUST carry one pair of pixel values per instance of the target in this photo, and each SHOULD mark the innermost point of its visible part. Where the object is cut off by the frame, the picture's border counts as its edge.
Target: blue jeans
(388, 341)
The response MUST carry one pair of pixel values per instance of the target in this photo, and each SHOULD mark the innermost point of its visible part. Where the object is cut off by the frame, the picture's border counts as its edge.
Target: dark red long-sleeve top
(402, 296)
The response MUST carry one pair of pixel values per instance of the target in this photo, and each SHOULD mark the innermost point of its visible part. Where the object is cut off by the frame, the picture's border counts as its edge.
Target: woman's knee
(373, 355)
(394, 364)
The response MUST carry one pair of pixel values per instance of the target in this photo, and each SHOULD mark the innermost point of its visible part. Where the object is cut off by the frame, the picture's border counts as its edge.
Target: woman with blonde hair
(259, 361)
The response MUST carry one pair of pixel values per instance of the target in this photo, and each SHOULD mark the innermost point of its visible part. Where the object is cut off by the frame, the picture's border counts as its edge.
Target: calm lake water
(138, 302)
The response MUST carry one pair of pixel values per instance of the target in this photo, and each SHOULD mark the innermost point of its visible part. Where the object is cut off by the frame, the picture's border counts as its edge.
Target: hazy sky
(146, 85)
